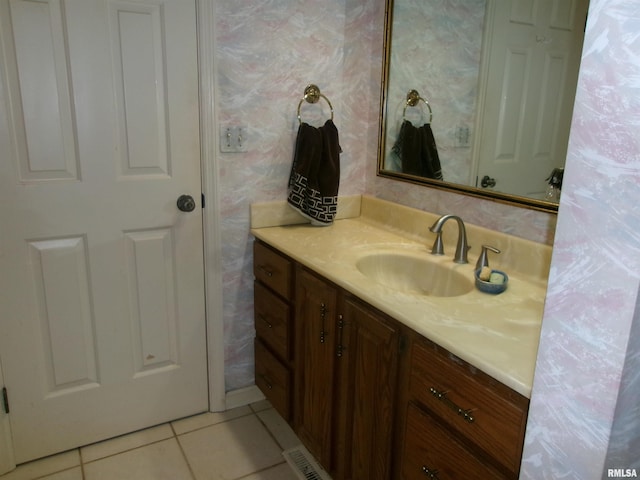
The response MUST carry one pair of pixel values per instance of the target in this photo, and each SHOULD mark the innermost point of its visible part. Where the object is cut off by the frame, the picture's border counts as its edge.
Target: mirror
(493, 82)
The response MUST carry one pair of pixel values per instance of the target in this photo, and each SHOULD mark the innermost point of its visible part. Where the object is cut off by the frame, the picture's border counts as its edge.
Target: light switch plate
(233, 138)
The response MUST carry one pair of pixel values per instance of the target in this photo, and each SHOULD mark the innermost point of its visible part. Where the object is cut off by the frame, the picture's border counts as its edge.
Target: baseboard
(243, 396)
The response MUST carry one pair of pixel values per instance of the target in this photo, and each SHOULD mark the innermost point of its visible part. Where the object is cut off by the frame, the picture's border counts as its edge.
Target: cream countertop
(497, 334)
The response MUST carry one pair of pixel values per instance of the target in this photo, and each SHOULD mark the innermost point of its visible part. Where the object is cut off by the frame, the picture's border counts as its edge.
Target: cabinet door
(367, 361)
(316, 303)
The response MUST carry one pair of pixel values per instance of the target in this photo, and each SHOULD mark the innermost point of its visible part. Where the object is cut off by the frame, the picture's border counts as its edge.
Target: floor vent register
(303, 464)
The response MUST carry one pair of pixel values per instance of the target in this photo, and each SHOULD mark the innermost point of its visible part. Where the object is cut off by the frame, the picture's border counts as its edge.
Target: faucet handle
(483, 259)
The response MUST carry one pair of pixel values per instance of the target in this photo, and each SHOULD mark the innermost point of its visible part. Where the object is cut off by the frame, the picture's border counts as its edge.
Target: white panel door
(101, 276)
(535, 49)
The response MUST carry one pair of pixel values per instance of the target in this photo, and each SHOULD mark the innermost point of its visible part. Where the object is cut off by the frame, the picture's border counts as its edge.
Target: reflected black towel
(315, 174)
(430, 157)
(417, 152)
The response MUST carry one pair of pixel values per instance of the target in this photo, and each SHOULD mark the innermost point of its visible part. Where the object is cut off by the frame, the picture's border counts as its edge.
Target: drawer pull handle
(323, 314)
(266, 271)
(442, 396)
(264, 319)
(267, 382)
(340, 349)
(430, 473)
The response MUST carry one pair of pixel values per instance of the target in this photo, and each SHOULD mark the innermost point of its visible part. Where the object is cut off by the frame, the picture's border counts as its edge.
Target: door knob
(186, 203)
(487, 181)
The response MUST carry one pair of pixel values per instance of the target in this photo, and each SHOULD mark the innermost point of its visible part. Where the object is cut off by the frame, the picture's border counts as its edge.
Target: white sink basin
(414, 274)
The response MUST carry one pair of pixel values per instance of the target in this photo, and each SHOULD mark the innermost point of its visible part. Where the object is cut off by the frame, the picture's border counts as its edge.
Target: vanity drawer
(272, 269)
(430, 450)
(272, 320)
(274, 379)
(481, 409)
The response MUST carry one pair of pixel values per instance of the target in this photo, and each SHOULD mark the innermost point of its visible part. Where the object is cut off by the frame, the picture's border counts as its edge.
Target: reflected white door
(101, 276)
(533, 68)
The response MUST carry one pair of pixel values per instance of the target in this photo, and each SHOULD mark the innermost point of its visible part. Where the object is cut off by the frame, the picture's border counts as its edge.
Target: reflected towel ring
(312, 95)
(413, 97)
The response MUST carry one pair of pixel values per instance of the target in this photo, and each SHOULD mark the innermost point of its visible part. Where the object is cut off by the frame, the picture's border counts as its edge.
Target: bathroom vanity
(381, 383)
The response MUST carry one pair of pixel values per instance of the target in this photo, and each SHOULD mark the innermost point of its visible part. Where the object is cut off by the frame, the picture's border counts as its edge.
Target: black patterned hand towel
(315, 174)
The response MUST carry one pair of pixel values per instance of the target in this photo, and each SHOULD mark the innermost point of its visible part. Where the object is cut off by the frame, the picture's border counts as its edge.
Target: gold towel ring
(312, 95)
(413, 97)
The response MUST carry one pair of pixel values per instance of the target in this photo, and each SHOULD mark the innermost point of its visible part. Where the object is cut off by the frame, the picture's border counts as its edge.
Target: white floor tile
(44, 466)
(159, 461)
(218, 446)
(206, 419)
(230, 450)
(125, 442)
(280, 472)
(73, 474)
(279, 429)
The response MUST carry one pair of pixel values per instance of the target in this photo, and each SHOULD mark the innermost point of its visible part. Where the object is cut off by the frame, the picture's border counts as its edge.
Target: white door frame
(219, 400)
(7, 460)
(211, 214)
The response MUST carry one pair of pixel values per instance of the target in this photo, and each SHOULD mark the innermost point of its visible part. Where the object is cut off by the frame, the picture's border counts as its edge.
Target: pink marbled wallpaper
(595, 273)
(266, 53)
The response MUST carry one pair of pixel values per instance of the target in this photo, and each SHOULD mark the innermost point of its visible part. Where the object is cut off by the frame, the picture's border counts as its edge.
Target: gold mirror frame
(506, 198)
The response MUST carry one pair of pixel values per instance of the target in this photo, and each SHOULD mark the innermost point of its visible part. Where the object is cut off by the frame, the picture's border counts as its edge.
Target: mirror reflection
(478, 95)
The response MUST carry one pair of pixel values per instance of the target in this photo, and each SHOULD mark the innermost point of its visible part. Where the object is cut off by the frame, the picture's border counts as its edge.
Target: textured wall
(595, 271)
(624, 445)
(266, 53)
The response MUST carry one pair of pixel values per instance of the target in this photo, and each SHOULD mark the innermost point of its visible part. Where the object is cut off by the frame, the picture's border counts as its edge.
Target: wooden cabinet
(368, 344)
(430, 451)
(363, 404)
(273, 298)
(479, 423)
(345, 380)
(316, 325)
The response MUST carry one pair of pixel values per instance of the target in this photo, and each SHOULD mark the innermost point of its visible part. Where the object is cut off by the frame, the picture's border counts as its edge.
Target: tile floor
(245, 443)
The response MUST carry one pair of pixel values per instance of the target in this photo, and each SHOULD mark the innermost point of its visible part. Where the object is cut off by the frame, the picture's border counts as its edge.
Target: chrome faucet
(462, 247)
